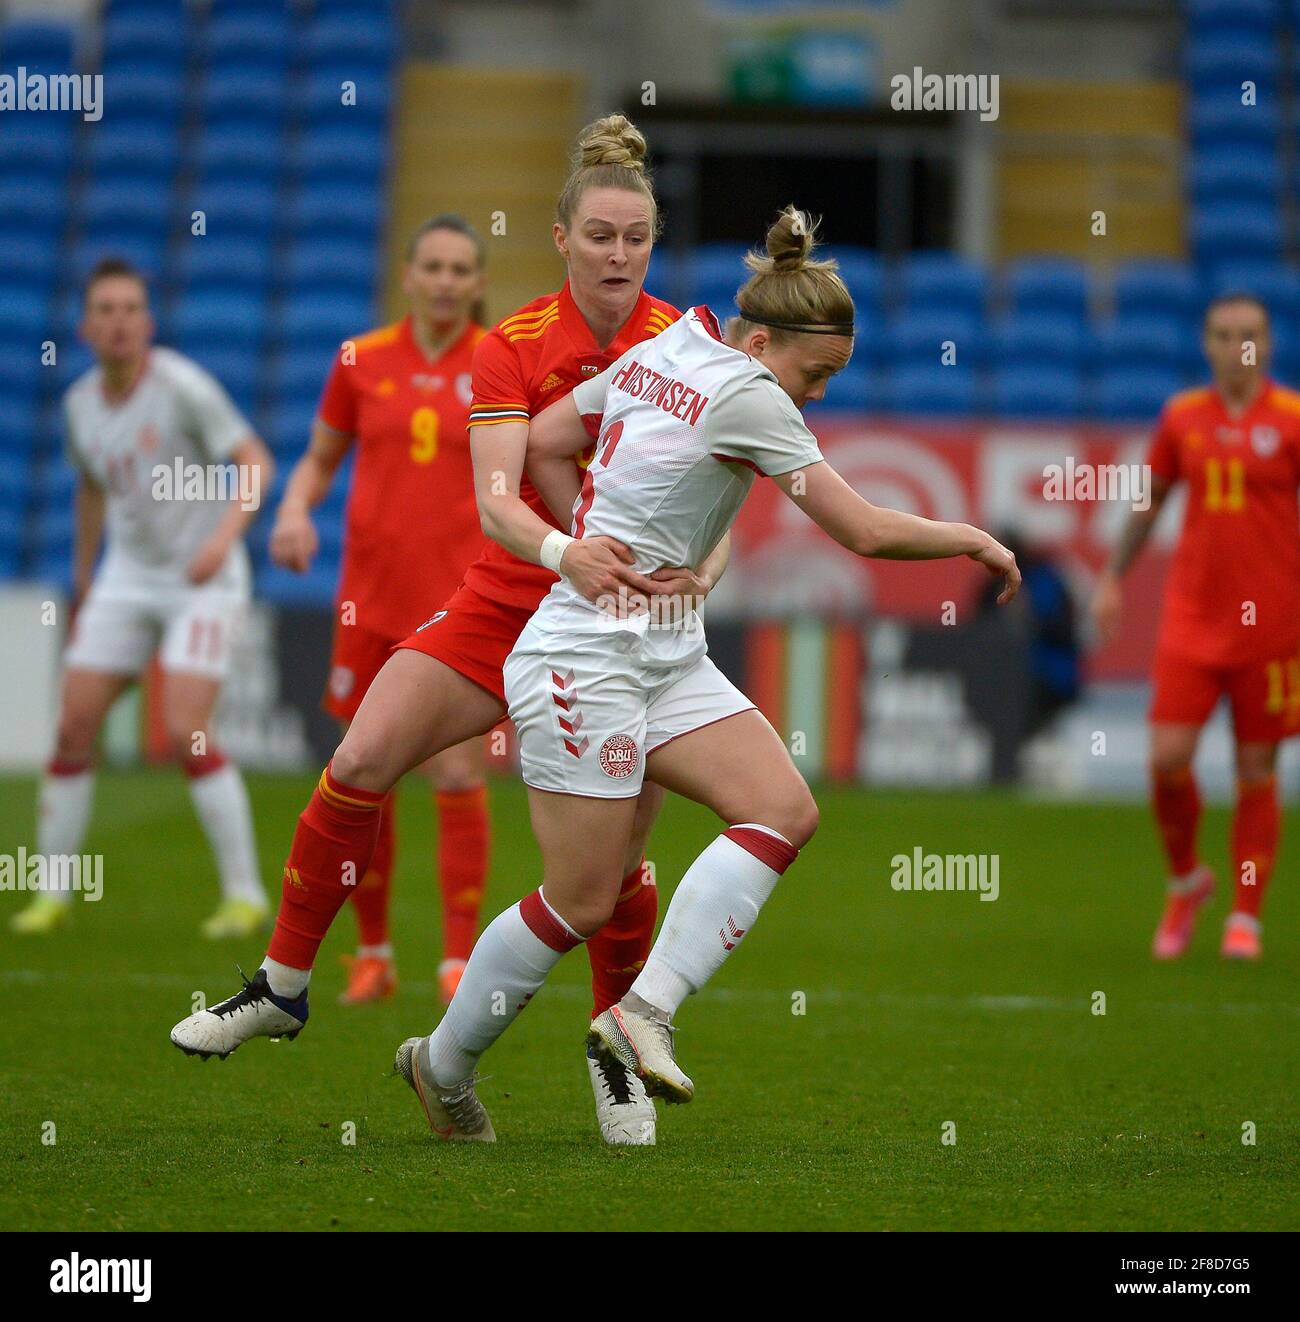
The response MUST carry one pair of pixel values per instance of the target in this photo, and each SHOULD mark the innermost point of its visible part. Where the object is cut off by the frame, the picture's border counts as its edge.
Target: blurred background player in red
(1231, 619)
(401, 394)
(444, 684)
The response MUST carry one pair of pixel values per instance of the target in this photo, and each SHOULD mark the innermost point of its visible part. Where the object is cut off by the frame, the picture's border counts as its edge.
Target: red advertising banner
(1034, 480)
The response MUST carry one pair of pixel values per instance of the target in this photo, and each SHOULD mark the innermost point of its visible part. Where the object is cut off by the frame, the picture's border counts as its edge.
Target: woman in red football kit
(444, 685)
(401, 394)
(1230, 624)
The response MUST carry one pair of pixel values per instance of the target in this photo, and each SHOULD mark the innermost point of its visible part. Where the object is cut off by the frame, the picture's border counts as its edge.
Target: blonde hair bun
(613, 140)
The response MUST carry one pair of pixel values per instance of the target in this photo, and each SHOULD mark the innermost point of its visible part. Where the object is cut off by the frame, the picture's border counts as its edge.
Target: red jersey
(412, 521)
(1233, 593)
(521, 366)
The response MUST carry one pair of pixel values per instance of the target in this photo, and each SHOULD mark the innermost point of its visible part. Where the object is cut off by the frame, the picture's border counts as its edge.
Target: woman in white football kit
(685, 422)
(160, 451)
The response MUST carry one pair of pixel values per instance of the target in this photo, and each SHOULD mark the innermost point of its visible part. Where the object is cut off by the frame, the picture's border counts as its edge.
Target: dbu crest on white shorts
(590, 709)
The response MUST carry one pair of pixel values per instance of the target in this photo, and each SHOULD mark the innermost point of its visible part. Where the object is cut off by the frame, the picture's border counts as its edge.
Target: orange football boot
(450, 972)
(1174, 934)
(370, 978)
(1241, 937)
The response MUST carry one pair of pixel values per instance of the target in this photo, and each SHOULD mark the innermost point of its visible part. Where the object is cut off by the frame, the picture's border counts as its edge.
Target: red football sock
(331, 848)
(1176, 802)
(370, 898)
(463, 842)
(1256, 827)
(620, 948)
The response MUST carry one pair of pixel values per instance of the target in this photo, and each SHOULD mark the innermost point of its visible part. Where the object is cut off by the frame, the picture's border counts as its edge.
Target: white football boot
(644, 1044)
(253, 1011)
(624, 1111)
(454, 1114)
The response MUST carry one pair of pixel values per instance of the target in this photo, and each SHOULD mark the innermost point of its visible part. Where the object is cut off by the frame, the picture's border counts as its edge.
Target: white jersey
(686, 422)
(176, 414)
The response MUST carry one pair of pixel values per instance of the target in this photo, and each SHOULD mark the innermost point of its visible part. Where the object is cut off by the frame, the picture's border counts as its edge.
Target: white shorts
(121, 625)
(590, 705)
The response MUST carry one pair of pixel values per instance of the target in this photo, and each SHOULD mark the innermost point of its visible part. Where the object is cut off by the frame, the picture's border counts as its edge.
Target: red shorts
(357, 657)
(473, 635)
(1265, 695)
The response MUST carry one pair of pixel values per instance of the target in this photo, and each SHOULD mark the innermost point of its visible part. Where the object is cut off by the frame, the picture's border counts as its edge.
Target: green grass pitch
(921, 1009)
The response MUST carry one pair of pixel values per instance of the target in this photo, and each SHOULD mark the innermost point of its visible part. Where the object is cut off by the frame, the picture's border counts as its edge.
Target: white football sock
(712, 909)
(509, 962)
(221, 802)
(284, 979)
(63, 813)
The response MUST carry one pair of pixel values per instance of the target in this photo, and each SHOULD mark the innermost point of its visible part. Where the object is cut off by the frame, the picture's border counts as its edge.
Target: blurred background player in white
(174, 579)
(604, 697)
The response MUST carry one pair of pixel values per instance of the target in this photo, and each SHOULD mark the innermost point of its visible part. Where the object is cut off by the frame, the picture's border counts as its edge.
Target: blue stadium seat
(1042, 391)
(252, 99)
(142, 37)
(151, 97)
(1140, 339)
(1223, 120)
(171, 12)
(1024, 339)
(235, 210)
(49, 47)
(249, 36)
(917, 338)
(220, 262)
(232, 152)
(28, 203)
(25, 318)
(37, 144)
(1227, 59)
(290, 427)
(943, 281)
(28, 258)
(1261, 16)
(864, 273)
(336, 209)
(213, 318)
(1135, 393)
(344, 37)
(1057, 287)
(370, 92)
(348, 266)
(139, 150)
(324, 318)
(301, 375)
(282, 587)
(1246, 230)
(1157, 288)
(665, 276)
(933, 390)
(358, 152)
(1231, 175)
(715, 271)
(122, 204)
(1263, 277)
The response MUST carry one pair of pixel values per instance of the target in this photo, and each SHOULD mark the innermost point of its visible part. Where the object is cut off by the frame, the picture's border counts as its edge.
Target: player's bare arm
(1108, 599)
(596, 566)
(294, 541)
(89, 534)
(884, 534)
(695, 583)
(250, 454)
